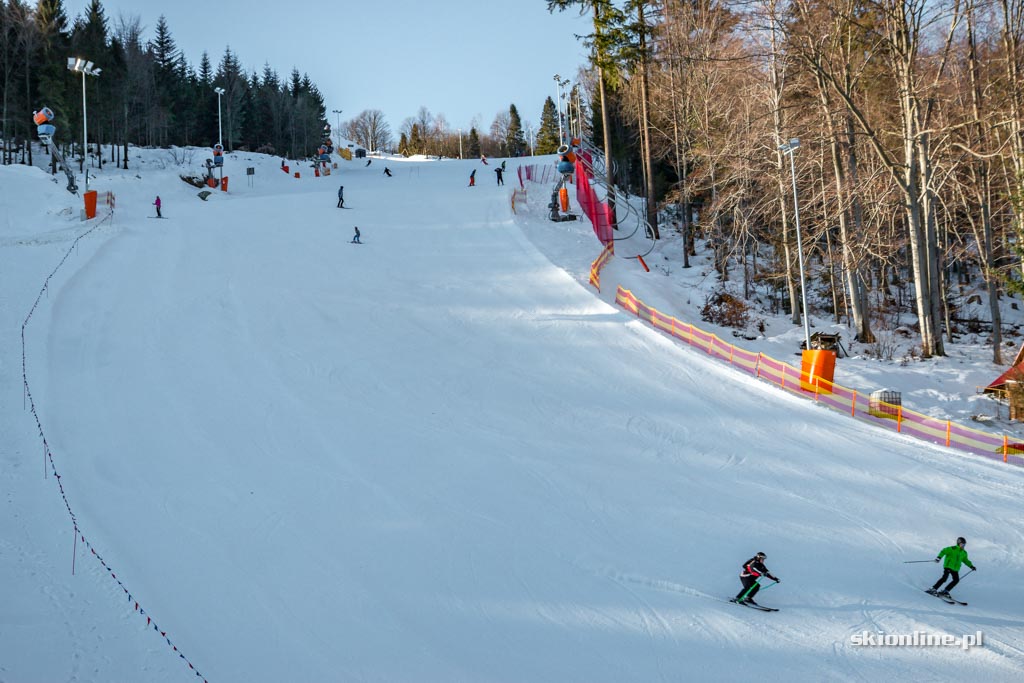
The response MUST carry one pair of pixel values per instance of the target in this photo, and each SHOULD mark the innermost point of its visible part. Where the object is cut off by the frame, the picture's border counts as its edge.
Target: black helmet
(761, 556)
(961, 541)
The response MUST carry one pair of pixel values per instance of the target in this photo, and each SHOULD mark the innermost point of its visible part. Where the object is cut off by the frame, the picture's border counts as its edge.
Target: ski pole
(752, 587)
(757, 584)
(917, 561)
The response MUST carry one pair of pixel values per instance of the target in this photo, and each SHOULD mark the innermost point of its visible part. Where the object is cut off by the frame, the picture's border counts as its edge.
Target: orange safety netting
(849, 401)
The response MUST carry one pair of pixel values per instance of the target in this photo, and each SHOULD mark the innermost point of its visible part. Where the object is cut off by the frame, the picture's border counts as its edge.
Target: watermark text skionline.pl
(917, 639)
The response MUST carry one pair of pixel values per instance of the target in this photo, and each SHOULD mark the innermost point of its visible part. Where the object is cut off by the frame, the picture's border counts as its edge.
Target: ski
(752, 605)
(946, 599)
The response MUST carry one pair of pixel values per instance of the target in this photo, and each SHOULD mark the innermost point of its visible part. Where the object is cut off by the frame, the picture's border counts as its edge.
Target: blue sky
(465, 59)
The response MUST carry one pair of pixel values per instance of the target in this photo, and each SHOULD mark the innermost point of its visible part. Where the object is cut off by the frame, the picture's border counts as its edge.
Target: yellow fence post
(1006, 447)
(949, 429)
(757, 366)
(853, 406)
(899, 418)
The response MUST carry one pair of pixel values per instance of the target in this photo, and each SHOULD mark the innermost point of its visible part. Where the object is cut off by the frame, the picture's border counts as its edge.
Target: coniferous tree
(54, 48)
(232, 80)
(474, 143)
(206, 102)
(415, 140)
(515, 142)
(547, 135)
(164, 54)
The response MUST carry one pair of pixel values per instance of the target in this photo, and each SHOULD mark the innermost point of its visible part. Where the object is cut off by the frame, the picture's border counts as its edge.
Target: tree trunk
(645, 129)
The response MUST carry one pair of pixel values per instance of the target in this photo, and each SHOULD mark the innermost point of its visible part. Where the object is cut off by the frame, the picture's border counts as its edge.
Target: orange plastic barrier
(563, 198)
(224, 184)
(296, 174)
(90, 203)
(815, 365)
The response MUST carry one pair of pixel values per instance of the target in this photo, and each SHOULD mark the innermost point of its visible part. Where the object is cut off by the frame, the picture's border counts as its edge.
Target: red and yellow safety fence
(849, 401)
(597, 265)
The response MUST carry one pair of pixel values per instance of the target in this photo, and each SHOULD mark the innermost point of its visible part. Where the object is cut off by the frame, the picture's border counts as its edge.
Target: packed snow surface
(437, 456)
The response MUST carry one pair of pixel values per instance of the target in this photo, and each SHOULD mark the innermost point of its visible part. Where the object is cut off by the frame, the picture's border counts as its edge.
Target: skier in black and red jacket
(753, 569)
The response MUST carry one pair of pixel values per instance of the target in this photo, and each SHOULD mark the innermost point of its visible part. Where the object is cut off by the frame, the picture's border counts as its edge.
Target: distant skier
(955, 556)
(369, 161)
(341, 197)
(387, 171)
(483, 159)
(355, 239)
(472, 178)
(501, 179)
(158, 204)
(753, 569)
(502, 164)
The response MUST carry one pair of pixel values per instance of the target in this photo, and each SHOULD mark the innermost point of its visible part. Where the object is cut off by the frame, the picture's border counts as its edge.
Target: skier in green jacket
(955, 557)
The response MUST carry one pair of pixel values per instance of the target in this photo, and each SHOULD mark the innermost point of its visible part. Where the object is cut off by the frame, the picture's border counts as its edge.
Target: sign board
(250, 171)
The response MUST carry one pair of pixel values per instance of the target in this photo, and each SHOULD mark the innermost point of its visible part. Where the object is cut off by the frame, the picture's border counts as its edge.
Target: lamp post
(87, 69)
(579, 114)
(789, 148)
(564, 95)
(338, 131)
(220, 133)
(558, 103)
(529, 132)
(460, 143)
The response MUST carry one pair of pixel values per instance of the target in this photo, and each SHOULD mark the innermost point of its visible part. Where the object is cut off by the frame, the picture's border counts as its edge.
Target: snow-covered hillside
(438, 455)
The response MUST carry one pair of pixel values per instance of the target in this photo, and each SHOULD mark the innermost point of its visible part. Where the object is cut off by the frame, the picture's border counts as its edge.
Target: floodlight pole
(220, 132)
(338, 131)
(789, 148)
(558, 101)
(87, 69)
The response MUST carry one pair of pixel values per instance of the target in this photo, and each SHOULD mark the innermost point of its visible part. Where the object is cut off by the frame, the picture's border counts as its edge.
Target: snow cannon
(564, 165)
(565, 153)
(42, 120)
(218, 155)
(45, 130)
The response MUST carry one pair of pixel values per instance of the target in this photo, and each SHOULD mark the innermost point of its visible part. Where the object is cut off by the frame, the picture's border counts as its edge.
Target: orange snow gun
(44, 115)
